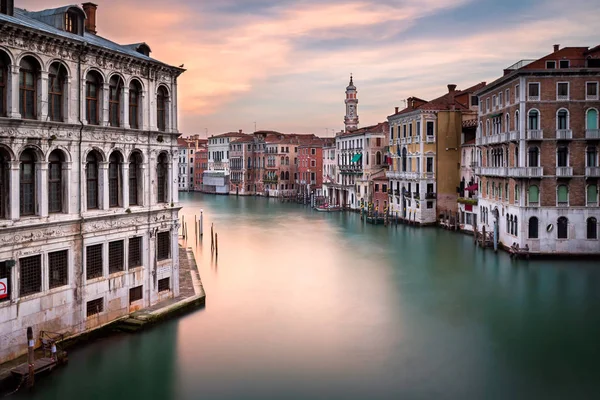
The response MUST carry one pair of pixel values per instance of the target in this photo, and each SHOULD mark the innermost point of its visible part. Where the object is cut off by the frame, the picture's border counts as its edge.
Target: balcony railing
(403, 140)
(478, 141)
(533, 98)
(417, 139)
(493, 171)
(593, 172)
(562, 97)
(513, 136)
(564, 134)
(592, 133)
(430, 196)
(535, 134)
(564, 172)
(430, 139)
(526, 172)
(428, 175)
(416, 196)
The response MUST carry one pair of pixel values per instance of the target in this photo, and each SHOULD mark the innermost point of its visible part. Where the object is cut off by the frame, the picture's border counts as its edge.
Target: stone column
(104, 108)
(13, 93)
(125, 185)
(172, 191)
(143, 181)
(103, 185)
(125, 108)
(42, 96)
(14, 206)
(41, 188)
(169, 115)
(66, 189)
(173, 110)
(143, 123)
(69, 112)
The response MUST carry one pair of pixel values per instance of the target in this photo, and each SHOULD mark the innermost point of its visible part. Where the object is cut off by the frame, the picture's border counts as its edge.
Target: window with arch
(115, 87)
(161, 108)
(93, 84)
(562, 226)
(562, 156)
(533, 228)
(516, 193)
(562, 195)
(562, 119)
(591, 119)
(404, 158)
(114, 177)
(287, 175)
(28, 77)
(592, 195)
(135, 162)
(534, 120)
(55, 186)
(487, 127)
(592, 228)
(91, 175)
(162, 173)
(507, 122)
(135, 90)
(27, 182)
(508, 223)
(57, 78)
(378, 158)
(533, 156)
(4, 183)
(533, 194)
(515, 226)
(517, 121)
(282, 175)
(591, 156)
(4, 65)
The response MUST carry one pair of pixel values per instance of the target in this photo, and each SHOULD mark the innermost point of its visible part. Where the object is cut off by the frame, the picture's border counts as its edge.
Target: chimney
(90, 12)
(240, 131)
(396, 112)
(451, 88)
(556, 47)
(7, 7)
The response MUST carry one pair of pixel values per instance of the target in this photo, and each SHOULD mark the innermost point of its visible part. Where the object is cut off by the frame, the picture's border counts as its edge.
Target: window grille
(5, 274)
(94, 261)
(58, 264)
(95, 307)
(163, 246)
(135, 294)
(115, 257)
(164, 284)
(30, 275)
(135, 252)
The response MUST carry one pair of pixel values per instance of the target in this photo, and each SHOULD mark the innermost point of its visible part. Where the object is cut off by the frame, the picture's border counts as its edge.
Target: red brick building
(200, 163)
(310, 165)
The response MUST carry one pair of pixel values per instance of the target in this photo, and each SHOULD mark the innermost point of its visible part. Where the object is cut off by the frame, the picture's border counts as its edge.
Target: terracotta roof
(243, 139)
(469, 142)
(382, 127)
(446, 101)
(380, 178)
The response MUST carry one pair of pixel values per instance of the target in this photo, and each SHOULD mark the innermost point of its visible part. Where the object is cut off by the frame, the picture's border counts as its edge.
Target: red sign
(3, 288)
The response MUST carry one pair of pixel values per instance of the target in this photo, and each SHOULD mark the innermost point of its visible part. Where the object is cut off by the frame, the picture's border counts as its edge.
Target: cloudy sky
(284, 64)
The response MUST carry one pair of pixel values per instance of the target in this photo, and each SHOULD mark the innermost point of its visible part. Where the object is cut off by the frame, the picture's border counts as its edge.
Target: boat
(327, 208)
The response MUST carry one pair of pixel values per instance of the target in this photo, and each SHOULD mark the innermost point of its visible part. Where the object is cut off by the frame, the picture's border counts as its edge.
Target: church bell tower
(351, 118)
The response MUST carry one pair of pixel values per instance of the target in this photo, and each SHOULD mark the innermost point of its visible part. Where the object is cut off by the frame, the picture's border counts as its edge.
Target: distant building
(310, 166)
(184, 178)
(538, 153)
(329, 170)
(216, 178)
(200, 163)
(351, 118)
(239, 148)
(469, 183)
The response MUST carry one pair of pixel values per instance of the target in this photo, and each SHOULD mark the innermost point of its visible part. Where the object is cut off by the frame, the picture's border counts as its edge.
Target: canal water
(308, 305)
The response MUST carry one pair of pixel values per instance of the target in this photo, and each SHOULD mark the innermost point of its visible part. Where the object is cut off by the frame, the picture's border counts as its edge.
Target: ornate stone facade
(87, 176)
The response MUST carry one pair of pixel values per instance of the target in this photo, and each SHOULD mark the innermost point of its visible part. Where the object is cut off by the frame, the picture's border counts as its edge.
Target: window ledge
(94, 280)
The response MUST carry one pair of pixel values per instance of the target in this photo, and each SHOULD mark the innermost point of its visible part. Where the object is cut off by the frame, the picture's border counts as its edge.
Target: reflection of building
(538, 151)
(425, 150)
(88, 170)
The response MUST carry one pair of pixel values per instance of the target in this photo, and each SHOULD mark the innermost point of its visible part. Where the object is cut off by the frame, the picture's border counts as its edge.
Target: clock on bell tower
(351, 118)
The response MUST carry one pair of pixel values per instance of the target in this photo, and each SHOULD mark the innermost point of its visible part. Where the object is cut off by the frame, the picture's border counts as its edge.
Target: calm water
(307, 305)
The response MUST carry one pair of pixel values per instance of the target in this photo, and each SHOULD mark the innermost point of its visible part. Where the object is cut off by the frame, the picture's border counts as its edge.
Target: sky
(285, 64)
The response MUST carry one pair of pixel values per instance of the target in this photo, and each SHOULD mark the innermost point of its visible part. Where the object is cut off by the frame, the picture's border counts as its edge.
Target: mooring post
(30, 360)
(216, 244)
(196, 228)
(483, 237)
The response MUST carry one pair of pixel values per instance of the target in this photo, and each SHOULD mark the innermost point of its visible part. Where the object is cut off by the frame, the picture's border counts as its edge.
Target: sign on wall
(3, 288)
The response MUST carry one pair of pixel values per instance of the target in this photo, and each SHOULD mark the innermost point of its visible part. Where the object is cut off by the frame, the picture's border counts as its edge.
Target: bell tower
(351, 118)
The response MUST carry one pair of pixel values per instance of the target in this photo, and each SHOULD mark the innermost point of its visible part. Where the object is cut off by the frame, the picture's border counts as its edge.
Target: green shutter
(592, 193)
(592, 119)
(563, 194)
(356, 157)
(534, 194)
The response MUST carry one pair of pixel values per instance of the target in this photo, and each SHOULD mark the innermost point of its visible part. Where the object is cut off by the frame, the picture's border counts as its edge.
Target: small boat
(327, 208)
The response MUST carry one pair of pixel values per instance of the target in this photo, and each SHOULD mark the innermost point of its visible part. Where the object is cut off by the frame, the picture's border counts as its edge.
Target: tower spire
(351, 82)
(351, 118)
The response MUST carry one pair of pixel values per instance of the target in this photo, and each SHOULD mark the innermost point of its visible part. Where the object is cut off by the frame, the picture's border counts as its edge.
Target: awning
(356, 157)
(495, 115)
(472, 187)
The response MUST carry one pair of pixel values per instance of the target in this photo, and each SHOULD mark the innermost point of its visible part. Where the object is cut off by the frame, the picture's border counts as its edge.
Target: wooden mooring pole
(30, 359)
(216, 244)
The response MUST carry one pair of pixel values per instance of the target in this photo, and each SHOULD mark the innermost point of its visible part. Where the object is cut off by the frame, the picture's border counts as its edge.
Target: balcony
(533, 98)
(428, 175)
(478, 141)
(592, 134)
(416, 196)
(535, 134)
(564, 134)
(513, 136)
(493, 171)
(393, 175)
(564, 172)
(562, 97)
(430, 139)
(417, 139)
(592, 172)
(526, 172)
(403, 140)
(430, 196)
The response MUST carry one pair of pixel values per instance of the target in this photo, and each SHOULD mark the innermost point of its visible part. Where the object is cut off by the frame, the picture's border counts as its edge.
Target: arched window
(134, 165)
(28, 78)
(591, 120)
(93, 84)
(135, 90)
(533, 228)
(4, 186)
(161, 108)
(56, 88)
(534, 120)
(487, 127)
(282, 175)
(287, 175)
(508, 223)
(4, 65)
(562, 226)
(114, 100)
(162, 172)
(517, 121)
(591, 156)
(114, 177)
(562, 156)
(516, 193)
(378, 158)
(592, 195)
(592, 228)
(562, 119)
(507, 122)
(27, 182)
(516, 160)
(534, 156)
(55, 187)
(562, 195)
(404, 157)
(516, 227)
(91, 174)
(533, 195)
